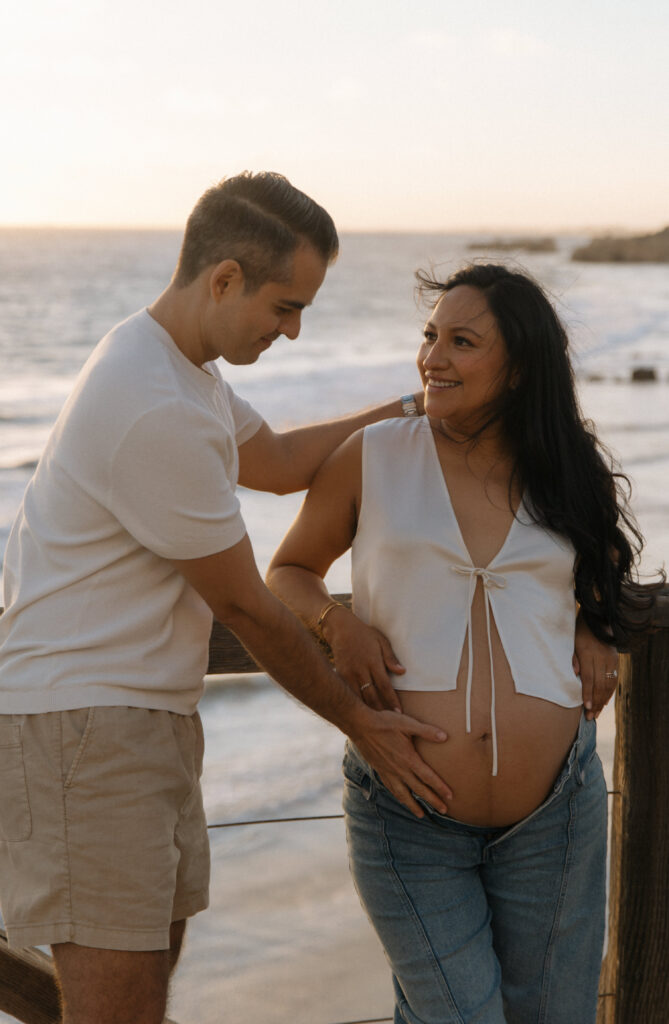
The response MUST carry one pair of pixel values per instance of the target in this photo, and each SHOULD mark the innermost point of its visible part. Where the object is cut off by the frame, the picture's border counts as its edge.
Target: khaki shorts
(103, 837)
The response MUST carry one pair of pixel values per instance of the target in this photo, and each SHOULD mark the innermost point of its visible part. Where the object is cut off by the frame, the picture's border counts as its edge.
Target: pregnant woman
(492, 555)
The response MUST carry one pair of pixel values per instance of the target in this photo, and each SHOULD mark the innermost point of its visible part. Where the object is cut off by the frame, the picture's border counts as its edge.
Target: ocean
(284, 939)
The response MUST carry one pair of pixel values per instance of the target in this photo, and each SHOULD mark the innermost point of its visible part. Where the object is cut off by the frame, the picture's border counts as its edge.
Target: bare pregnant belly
(533, 736)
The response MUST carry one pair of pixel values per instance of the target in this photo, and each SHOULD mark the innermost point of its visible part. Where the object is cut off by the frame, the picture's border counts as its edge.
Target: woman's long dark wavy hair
(572, 486)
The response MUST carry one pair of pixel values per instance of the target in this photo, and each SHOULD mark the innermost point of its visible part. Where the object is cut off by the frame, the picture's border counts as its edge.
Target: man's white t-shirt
(141, 468)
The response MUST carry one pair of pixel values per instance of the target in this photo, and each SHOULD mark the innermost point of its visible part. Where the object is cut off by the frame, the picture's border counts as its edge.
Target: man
(129, 537)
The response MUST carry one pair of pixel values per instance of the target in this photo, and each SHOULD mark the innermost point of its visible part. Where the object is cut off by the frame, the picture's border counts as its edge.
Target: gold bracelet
(326, 611)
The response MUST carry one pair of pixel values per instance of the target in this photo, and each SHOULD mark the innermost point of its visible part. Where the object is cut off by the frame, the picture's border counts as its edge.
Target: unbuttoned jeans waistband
(573, 774)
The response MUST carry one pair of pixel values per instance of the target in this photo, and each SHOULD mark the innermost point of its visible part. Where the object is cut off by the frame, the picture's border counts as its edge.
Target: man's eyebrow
(455, 327)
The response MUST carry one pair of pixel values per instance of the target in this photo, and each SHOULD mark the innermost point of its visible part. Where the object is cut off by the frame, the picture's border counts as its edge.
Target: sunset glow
(395, 116)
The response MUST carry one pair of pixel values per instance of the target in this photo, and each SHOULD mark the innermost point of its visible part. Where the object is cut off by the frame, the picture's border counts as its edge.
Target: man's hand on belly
(385, 740)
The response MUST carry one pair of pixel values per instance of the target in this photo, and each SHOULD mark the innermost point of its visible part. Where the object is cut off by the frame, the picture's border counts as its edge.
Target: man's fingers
(406, 792)
(387, 746)
(405, 797)
(422, 729)
(431, 786)
(424, 780)
(437, 800)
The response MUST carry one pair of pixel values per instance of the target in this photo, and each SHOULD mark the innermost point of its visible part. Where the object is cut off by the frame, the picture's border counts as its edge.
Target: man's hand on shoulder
(288, 461)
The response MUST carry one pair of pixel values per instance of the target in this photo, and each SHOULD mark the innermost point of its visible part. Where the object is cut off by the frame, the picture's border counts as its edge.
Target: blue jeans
(487, 925)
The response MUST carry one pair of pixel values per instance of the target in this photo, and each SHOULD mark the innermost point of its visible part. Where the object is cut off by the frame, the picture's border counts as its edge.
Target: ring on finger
(611, 675)
(364, 686)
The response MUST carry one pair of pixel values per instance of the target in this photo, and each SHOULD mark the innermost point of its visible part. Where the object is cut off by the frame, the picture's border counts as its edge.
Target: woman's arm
(324, 530)
(597, 665)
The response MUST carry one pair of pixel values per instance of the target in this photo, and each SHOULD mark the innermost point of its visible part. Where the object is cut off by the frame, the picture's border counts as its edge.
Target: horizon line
(598, 229)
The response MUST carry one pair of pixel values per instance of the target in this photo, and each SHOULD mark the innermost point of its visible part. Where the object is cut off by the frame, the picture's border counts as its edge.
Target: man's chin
(243, 359)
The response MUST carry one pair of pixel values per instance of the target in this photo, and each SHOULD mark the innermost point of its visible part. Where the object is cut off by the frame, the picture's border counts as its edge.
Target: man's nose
(290, 324)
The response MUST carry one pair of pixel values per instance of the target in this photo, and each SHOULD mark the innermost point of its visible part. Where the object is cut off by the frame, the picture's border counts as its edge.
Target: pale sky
(437, 115)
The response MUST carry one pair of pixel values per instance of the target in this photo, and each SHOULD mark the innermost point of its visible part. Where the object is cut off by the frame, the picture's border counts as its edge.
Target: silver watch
(409, 407)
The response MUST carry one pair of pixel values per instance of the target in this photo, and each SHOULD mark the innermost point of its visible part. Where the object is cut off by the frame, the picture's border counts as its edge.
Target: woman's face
(462, 360)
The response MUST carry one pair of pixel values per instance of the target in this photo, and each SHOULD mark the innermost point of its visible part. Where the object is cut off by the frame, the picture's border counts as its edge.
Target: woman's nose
(436, 356)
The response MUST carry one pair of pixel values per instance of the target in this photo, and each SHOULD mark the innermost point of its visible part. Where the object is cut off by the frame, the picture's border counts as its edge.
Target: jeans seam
(439, 974)
(543, 1005)
(582, 768)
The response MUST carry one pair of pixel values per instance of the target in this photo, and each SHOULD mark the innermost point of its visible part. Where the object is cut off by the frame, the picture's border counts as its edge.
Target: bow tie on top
(488, 580)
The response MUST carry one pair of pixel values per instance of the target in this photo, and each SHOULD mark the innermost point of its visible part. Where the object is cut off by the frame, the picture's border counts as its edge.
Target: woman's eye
(429, 336)
(459, 340)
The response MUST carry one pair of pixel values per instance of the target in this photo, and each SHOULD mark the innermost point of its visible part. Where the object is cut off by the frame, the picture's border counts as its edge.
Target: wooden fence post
(28, 989)
(635, 974)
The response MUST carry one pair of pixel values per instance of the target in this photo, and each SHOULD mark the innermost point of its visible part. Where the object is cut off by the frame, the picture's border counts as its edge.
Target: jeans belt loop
(569, 769)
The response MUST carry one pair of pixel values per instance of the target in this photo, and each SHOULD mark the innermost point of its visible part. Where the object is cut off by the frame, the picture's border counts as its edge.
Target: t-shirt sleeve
(172, 483)
(246, 419)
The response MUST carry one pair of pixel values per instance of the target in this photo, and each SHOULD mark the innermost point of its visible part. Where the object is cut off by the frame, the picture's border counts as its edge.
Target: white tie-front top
(414, 580)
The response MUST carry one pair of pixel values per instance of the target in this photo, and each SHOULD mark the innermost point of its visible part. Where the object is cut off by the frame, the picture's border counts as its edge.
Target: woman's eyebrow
(455, 327)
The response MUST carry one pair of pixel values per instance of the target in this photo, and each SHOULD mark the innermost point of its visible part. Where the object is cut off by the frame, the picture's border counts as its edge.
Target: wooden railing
(634, 985)
(635, 974)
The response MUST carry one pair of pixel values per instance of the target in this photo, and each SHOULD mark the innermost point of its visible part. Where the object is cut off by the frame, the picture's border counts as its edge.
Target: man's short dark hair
(258, 220)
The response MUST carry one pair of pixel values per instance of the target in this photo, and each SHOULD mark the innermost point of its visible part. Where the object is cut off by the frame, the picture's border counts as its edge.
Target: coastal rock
(527, 244)
(632, 249)
(644, 373)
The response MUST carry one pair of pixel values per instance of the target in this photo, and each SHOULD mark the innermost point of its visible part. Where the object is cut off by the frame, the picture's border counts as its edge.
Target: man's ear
(225, 276)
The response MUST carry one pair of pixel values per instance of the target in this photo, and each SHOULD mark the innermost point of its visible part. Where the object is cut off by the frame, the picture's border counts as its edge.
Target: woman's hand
(597, 665)
(364, 659)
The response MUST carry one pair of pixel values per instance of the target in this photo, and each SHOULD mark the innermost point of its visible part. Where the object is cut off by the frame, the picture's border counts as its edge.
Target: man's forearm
(282, 646)
(287, 652)
(308, 447)
(288, 461)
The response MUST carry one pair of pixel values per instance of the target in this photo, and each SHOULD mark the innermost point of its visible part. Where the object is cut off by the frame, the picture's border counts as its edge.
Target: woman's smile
(462, 359)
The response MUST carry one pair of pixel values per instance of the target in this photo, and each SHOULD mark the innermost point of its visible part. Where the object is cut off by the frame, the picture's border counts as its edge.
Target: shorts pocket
(15, 819)
(76, 729)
